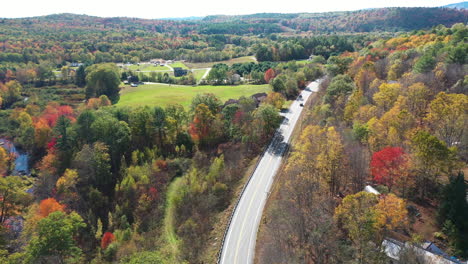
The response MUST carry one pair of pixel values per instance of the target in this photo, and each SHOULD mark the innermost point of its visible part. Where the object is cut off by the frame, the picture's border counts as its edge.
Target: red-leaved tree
(53, 111)
(389, 165)
(107, 239)
(269, 74)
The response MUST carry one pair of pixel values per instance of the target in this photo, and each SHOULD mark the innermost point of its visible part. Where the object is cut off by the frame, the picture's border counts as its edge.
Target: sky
(186, 8)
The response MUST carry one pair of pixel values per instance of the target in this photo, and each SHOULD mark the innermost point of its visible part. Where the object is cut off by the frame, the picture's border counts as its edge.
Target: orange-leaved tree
(48, 206)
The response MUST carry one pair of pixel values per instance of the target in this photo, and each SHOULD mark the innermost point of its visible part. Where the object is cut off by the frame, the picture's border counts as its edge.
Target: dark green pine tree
(80, 80)
(453, 214)
(64, 143)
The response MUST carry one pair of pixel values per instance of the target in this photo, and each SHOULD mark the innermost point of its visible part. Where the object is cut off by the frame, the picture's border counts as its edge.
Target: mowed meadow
(164, 94)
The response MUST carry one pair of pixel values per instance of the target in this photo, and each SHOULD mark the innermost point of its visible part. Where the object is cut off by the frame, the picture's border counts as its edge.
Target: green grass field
(198, 74)
(197, 65)
(133, 67)
(147, 67)
(156, 68)
(303, 62)
(179, 64)
(162, 95)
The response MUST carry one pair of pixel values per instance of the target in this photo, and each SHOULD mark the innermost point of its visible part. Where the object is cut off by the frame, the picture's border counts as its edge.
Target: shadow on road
(278, 147)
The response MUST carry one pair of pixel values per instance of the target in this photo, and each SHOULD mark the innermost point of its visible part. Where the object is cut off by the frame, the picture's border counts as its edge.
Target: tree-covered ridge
(381, 19)
(393, 115)
(62, 38)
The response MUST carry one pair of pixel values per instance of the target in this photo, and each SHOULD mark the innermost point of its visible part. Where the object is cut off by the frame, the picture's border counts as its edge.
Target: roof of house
(371, 189)
(231, 101)
(394, 247)
(259, 96)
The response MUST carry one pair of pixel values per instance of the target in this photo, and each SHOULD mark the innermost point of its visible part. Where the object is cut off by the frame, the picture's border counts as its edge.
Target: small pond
(21, 157)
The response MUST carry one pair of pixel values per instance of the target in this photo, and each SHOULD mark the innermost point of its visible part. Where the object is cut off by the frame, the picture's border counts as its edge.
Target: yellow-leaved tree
(366, 218)
(448, 117)
(3, 162)
(387, 95)
(275, 99)
(357, 217)
(391, 212)
(320, 152)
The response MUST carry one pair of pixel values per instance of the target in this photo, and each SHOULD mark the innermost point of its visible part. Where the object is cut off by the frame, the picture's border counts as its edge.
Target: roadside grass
(179, 64)
(210, 253)
(171, 248)
(169, 234)
(287, 104)
(163, 94)
(197, 65)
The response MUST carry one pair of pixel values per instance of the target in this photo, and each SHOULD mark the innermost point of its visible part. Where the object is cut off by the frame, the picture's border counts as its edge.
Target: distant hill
(461, 5)
(183, 18)
(379, 19)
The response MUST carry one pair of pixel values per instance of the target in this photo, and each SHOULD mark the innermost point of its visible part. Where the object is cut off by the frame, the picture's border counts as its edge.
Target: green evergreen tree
(80, 79)
(453, 214)
(425, 63)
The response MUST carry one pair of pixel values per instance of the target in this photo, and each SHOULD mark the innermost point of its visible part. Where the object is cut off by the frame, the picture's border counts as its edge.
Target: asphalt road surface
(239, 244)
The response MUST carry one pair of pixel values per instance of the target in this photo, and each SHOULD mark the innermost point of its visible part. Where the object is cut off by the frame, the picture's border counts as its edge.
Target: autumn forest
(90, 172)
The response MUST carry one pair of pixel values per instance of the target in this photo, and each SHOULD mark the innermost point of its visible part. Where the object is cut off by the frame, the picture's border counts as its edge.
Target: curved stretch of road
(239, 243)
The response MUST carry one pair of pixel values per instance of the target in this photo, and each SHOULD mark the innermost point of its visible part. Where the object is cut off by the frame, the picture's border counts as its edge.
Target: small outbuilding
(259, 97)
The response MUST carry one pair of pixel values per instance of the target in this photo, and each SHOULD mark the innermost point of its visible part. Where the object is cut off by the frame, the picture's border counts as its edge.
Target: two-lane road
(239, 244)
